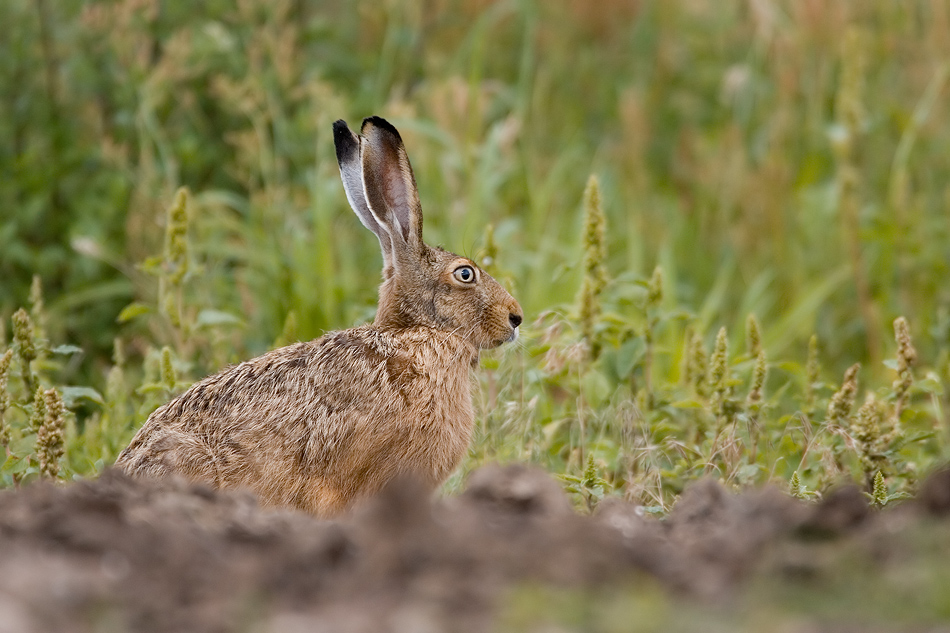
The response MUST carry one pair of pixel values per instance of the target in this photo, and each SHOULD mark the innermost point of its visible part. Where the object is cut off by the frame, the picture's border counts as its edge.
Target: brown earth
(115, 555)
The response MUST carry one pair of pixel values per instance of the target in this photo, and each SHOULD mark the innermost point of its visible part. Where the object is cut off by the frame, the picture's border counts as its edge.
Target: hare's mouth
(511, 338)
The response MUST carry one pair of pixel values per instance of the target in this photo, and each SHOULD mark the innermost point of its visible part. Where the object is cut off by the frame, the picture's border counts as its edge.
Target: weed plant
(709, 212)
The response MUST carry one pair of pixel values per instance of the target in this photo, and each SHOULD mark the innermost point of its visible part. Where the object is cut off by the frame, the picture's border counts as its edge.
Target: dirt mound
(116, 554)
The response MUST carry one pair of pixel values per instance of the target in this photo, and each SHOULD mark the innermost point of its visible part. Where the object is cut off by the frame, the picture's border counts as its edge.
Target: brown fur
(319, 424)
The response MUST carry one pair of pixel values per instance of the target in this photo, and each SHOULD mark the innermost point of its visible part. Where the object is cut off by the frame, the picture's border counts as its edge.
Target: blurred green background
(712, 126)
(787, 159)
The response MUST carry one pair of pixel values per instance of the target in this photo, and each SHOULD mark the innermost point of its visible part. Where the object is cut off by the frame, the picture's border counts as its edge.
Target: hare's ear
(389, 184)
(351, 171)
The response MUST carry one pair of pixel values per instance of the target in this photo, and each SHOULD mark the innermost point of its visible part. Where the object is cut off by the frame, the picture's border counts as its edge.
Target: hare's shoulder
(308, 370)
(336, 371)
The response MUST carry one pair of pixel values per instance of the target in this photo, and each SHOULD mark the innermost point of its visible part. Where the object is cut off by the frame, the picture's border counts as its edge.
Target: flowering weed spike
(175, 260)
(39, 410)
(595, 274)
(718, 363)
(50, 438)
(759, 373)
(870, 439)
(5, 361)
(795, 487)
(169, 378)
(754, 402)
(879, 491)
(719, 372)
(25, 347)
(753, 336)
(906, 359)
(839, 409)
(176, 238)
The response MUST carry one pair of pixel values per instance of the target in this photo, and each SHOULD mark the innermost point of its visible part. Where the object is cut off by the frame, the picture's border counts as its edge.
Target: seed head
(879, 491)
(843, 401)
(595, 273)
(795, 487)
(23, 335)
(718, 368)
(176, 238)
(25, 346)
(867, 431)
(753, 336)
(169, 377)
(50, 438)
(759, 374)
(698, 363)
(906, 359)
(5, 361)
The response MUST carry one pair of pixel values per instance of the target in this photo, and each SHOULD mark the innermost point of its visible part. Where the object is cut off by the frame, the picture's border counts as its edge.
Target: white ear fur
(348, 155)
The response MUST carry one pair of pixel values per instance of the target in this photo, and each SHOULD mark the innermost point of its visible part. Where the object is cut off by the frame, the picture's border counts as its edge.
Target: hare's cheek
(495, 325)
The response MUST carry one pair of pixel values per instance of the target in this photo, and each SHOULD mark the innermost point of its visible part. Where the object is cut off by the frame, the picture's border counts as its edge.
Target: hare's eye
(465, 274)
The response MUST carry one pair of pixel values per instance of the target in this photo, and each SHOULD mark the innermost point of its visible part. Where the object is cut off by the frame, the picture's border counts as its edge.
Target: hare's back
(317, 424)
(291, 412)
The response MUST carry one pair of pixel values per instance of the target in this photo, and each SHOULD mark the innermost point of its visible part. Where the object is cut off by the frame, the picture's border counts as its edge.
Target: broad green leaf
(214, 318)
(688, 404)
(66, 350)
(132, 311)
(72, 395)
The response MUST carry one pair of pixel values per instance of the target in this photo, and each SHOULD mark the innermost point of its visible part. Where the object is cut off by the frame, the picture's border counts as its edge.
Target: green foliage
(589, 485)
(171, 204)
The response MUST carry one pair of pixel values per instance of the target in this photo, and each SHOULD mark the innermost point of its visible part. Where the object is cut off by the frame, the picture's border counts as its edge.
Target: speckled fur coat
(316, 425)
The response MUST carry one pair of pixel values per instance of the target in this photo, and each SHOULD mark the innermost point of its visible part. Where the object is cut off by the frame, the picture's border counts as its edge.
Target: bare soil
(115, 554)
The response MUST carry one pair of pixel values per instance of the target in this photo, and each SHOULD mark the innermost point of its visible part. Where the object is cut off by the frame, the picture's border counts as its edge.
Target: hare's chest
(442, 422)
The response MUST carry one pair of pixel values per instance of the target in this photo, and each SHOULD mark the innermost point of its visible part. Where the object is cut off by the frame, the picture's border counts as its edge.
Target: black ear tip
(340, 126)
(382, 124)
(344, 140)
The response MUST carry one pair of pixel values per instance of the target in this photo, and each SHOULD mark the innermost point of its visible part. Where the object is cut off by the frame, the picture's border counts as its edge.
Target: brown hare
(317, 425)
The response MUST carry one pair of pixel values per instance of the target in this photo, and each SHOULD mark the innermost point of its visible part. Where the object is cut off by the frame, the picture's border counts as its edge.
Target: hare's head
(422, 285)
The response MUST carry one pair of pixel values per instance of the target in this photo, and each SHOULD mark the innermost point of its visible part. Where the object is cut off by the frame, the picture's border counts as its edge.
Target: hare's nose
(514, 319)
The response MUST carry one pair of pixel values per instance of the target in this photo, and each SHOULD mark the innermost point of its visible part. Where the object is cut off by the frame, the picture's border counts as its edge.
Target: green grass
(785, 160)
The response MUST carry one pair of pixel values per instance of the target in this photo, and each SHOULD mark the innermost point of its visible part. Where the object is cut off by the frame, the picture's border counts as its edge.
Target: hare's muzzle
(514, 319)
